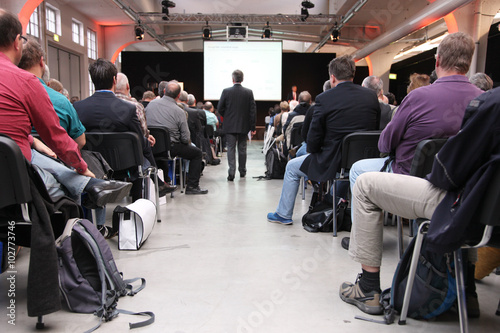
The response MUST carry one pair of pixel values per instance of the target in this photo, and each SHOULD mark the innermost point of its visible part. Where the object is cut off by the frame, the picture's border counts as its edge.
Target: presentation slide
(260, 62)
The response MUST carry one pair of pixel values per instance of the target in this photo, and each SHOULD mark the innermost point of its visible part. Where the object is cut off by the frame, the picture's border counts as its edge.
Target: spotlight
(335, 35)
(307, 4)
(207, 32)
(166, 4)
(304, 14)
(267, 32)
(139, 32)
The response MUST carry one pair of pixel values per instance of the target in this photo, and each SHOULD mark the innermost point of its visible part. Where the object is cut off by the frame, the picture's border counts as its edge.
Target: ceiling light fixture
(335, 35)
(304, 11)
(207, 32)
(266, 31)
(165, 5)
(139, 31)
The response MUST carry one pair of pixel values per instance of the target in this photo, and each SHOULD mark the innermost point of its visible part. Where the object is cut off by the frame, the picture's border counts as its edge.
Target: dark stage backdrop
(146, 69)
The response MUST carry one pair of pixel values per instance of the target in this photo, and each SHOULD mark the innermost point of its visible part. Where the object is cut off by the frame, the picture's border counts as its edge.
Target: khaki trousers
(407, 196)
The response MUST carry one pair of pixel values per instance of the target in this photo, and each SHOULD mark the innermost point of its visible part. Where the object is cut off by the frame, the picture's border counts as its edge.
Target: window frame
(91, 44)
(80, 34)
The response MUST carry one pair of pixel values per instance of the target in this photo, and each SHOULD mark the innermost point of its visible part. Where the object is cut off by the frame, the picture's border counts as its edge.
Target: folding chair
(355, 146)
(421, 165)
(123, 152)
(487, 226)
(161, 152)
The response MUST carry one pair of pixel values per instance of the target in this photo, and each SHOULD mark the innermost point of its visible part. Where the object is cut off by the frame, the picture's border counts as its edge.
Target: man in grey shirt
(165, 112)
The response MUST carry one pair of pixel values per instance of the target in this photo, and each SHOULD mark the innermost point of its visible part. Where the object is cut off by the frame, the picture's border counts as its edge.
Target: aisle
(214, 264)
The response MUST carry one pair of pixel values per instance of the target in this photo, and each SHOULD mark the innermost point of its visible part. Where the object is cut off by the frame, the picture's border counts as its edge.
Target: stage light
(207, 32)
(166, 4)
(307, 4)
(335, 36)
(139, 32)
(267, 32)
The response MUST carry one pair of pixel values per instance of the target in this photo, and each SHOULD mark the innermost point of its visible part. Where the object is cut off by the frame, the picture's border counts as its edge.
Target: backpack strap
(141, 323)
(130, 287)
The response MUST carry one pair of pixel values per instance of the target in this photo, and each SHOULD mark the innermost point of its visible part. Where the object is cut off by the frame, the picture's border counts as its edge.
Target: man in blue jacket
(449, 196)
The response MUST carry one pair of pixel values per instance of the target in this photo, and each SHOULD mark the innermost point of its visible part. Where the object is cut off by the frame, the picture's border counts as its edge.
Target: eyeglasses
(25, 40)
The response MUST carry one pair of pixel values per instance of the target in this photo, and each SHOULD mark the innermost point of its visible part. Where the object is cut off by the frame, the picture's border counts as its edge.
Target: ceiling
(182, 32)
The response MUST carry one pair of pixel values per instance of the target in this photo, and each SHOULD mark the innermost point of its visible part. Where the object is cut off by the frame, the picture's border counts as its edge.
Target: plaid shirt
(139, 110)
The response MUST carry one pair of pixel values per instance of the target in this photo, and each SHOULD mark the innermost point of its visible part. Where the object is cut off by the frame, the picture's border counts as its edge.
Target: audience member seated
(342, 110)
(26, 104)
(56, 85)
(147, 97)
(194, 123)
(417, 81)
(434, 111)
(104, 112)
(278, 119)
(377, 85)
(301, 109)
(461, 172)
(482, 81)
(166, 112)
(122, 91)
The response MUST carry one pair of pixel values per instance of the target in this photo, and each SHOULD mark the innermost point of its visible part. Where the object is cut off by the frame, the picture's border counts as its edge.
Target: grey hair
(373, 83)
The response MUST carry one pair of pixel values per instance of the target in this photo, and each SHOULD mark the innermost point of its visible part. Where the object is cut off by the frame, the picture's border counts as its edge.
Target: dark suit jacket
(104, 112)
(339, 111)
(237, 106)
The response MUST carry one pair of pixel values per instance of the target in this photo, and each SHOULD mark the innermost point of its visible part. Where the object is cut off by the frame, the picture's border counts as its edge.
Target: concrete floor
(214, 264)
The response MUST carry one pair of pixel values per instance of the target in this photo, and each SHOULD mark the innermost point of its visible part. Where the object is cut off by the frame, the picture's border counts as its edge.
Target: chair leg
(94, 216)
(157, 196)
(400, 236)
(303, 185)
(39, 324)
(181, 175)
(413, 272)
(498, 309)
(462, 305)
(334, 212)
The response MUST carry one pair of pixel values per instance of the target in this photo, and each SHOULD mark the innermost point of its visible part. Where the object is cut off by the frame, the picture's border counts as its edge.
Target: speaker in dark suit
(293, 95)
(237, 106)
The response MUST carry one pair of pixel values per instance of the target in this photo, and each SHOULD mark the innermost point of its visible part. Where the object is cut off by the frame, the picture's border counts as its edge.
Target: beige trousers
(374, 192)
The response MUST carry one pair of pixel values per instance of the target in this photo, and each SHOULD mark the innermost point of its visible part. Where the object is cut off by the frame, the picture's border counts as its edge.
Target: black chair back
(122, 150)
(295, 136)
(14, 181)
(423, 159)
(161, 149)
(209, 130)
(358, 146)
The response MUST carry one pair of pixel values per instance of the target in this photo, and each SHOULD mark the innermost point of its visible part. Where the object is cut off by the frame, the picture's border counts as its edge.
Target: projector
(307, 4)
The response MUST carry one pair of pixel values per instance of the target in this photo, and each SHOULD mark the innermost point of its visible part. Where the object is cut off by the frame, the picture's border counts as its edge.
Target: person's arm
(81, 141)
(316, 134)
(391, 136)
(40, 147)
(185, 134)
(221, 106)
(46, 123)
(307, 122)
(253, 113)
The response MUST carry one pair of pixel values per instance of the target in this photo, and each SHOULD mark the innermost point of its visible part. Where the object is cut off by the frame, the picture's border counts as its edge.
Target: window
(92, 44)
(77, 31)
(34, 24)
(53, 19)
(91, 86)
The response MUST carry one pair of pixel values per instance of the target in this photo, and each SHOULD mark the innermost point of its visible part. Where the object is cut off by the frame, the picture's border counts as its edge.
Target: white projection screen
(260, 62)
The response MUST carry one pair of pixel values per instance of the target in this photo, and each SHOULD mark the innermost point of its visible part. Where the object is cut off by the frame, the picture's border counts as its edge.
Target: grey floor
(214, 264)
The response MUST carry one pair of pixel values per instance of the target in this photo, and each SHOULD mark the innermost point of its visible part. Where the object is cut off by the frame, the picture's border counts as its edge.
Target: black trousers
(194, 155)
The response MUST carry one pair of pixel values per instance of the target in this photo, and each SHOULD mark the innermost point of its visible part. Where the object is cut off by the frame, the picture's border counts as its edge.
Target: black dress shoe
(107, 191)
(196, 190)
(215, 161)
(243, 174)
(165, 188)
(230, 178)
(345, 242)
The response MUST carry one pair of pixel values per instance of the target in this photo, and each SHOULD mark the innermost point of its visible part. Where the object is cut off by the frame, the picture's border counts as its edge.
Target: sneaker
(274, 217)
(366, 302)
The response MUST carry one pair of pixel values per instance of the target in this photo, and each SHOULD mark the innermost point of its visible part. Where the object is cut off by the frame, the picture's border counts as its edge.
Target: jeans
(366, 165)
(72, 182)
(291, 183)
(407, 196)
(302, 150)
(241, 139)
(61, 181)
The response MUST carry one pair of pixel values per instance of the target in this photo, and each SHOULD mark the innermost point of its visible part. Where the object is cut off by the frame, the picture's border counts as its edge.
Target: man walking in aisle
(237, 106)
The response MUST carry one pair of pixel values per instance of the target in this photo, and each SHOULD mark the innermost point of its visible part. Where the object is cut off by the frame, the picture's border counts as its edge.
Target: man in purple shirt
(428, 112)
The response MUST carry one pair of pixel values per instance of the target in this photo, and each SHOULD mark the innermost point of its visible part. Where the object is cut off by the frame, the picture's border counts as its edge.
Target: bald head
(208, 106)
(122, 85)
(172, 89)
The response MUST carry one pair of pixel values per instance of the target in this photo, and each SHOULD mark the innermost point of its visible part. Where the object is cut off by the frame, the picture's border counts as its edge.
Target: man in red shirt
(24, 103)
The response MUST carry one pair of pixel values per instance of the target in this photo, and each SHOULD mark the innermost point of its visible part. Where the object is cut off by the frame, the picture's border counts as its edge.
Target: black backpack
(88, 277)
(275, 163)
(434, 289)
